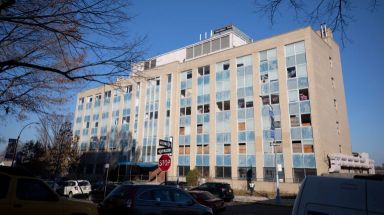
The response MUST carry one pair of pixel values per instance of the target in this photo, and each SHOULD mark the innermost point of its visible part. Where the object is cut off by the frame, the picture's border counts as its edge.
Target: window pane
(219, 172)
(242, 160)
(274, 87)
(289, 50)
(294, 108)
(305, 107)
(303, 94)
(227, 172)
(300, 58)
(302, 70)
(215, 45)
(309, 161)
(307, 132)
(295, 133)
(225, 42)
(274, 99)
(206, 48)
(189, 53)
(297, 160)
(299, 47)
(242, 148)
(292, 84)
(293, 96)
(296, 147)
(290, 61)
(308, 149)
(241, 126)
(197, 50)
(291, 72)
(265, 89)
(263, 55)
(303, 83)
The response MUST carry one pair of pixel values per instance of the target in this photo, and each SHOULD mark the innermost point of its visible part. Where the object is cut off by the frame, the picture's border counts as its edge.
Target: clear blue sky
(173, 24)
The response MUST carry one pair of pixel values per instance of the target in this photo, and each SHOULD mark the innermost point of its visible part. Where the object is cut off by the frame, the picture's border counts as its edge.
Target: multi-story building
(234, 107)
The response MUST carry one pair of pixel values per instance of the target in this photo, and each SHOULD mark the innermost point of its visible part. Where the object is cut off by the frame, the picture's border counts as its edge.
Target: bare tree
(60, 144)
(337, 14)
(49, 47)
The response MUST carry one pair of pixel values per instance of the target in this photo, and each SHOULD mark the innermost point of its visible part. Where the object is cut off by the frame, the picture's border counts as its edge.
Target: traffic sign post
(165, 160)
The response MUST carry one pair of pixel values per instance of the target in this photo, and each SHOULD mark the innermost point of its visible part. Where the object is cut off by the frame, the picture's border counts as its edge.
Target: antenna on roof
(323, 30)
(205, 36)
(200, 37)
(211, 33)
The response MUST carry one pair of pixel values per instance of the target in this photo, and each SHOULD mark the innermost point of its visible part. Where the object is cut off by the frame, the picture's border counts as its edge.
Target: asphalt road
(255, 209)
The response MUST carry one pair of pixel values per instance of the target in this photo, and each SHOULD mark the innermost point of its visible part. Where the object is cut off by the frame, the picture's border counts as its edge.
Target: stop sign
(164, 162)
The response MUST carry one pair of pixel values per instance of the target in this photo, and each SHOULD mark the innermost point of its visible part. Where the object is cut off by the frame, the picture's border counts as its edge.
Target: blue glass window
(297, 160)
(306, 132)
(309, 161)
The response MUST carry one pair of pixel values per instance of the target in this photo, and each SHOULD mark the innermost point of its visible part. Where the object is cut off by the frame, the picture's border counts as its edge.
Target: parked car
(151, 199)
(209, 200)
(21, 193)
(331, 195)
(97, 194)
(180, 184)
(221, 190)
(72, 188)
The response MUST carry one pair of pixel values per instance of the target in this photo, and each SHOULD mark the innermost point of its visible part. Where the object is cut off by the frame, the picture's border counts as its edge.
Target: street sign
(164, 162)
(165, 143)
(161, 151)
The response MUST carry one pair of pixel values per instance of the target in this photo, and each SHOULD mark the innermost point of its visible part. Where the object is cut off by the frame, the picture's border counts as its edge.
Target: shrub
(193, 178)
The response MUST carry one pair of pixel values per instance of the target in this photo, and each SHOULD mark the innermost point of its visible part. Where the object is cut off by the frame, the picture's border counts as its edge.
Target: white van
(330, 196)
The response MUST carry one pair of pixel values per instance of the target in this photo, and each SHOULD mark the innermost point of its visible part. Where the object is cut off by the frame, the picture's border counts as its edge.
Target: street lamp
(17, 140)
(106, 166)
(273, 144)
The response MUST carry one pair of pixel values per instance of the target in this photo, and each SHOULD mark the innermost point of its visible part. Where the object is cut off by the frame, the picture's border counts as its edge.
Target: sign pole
(170, 140)
(165, 160)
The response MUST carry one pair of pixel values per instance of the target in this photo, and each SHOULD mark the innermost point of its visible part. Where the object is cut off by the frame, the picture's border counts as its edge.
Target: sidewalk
(264, 200)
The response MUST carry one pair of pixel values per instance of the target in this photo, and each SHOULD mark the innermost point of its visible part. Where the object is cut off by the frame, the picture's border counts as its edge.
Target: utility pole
(273, 144)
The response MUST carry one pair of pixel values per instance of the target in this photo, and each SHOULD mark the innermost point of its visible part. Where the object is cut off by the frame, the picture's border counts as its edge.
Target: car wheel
(70, 195)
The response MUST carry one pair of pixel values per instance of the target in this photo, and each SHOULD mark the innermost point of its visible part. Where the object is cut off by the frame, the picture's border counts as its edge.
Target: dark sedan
(221, 190)
(151, 199)
(97, 194)
(209, 200)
